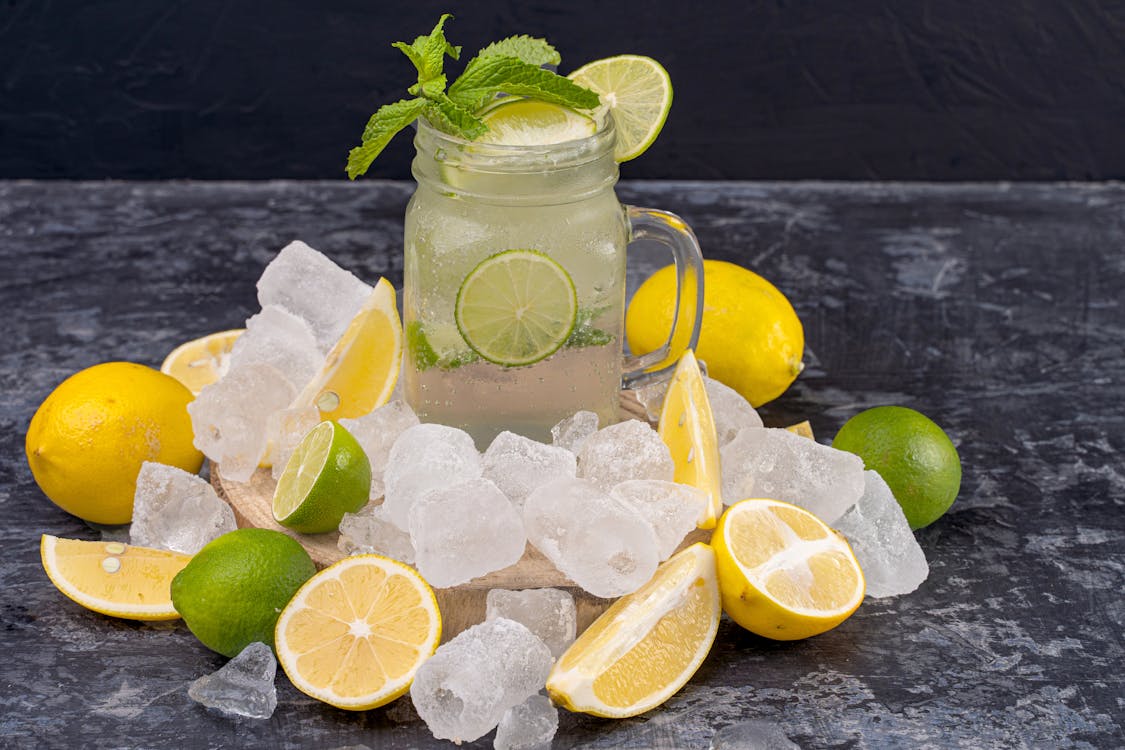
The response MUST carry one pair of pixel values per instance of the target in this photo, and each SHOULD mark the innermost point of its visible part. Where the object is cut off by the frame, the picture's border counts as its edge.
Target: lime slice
(637, 91)
(528, 122)
(516, 307)
(327, 476)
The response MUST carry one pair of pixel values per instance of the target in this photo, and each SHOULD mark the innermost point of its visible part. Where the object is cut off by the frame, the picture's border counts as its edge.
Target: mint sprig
(509, 66)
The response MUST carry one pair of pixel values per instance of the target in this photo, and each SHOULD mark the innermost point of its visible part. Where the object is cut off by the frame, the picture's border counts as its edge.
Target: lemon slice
(200, 362)
(327, 476)
(647, 645)
(687, 427)
(529, 122)
(783, 573)
(516, 307)
(638, 91)
(362, 368)
(354, 635)
(116, 579)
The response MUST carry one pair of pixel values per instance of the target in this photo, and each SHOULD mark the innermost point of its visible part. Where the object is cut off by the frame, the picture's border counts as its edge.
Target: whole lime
(914, 456)
(233, 590)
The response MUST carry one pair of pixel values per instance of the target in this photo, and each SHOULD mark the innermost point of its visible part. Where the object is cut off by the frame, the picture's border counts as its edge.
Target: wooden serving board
(461, 606)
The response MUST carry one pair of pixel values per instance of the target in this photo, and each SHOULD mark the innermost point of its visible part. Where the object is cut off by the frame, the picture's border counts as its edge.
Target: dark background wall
(836, 89)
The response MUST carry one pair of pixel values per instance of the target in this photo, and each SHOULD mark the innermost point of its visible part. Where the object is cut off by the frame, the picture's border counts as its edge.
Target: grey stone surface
(995, 309)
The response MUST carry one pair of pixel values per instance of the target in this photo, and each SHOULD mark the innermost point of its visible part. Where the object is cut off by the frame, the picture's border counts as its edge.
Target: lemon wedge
(687, 427)
(647, 645)
(362, 368)
(113, 578)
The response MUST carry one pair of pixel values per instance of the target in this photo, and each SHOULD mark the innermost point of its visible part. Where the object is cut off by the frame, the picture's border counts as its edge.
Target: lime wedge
(528, 122)
(516, 307)
(327, 476)
(637, 91)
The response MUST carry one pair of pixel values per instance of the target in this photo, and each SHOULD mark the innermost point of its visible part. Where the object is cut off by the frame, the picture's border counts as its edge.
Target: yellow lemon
(200, 362)
(647, 645)
(751, 338)
(87, 441)
(687, 427)
(112, 578)
(783, 573)
(356, 633)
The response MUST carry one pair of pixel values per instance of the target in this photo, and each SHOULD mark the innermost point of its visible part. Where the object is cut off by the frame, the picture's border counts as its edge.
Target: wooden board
(461, 606)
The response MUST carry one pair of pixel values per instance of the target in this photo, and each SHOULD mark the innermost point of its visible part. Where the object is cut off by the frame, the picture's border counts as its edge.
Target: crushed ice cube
(277, 337)
(285, 430)
(464, 689)
(312, 287)
(572, 432)
(423, 458)
(752, 735)
(592, 538)
(244, 686)
(229, 417)
(518, 465)
(651, 397)
(377, 432)
(175, 510)
(529, 726)
(881, 538)
(731, 411)
(627, 450)
(672, 509)
(369, 531)
(775, 463)
(549, 613)
(464, 531)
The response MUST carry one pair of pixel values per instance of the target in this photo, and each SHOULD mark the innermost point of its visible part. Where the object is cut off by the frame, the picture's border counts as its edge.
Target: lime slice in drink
(528, 122)
(637, 91)
(327, 476)
(516, 307)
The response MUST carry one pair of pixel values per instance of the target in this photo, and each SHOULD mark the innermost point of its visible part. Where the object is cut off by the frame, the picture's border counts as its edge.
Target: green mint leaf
(484, 77)
(381, 128)
(435, 50)
(450, 117)
(414, 52)
(529, 49)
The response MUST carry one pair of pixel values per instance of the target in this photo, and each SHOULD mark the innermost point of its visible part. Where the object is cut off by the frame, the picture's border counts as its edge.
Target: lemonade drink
(478, 201)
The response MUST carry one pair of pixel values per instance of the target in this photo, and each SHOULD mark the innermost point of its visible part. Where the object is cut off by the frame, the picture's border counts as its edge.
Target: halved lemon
(647, 645)
(687, 427)
(637, 91)
(355, 634)
(530, 122)
(361, 369)
(784, 574)
(200, 362)
(113, 578)
(516, 307)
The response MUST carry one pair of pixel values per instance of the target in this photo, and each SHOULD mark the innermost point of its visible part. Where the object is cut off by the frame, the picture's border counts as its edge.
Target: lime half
(327, 476)
(637, 91)
(516, 307)
(528, 122)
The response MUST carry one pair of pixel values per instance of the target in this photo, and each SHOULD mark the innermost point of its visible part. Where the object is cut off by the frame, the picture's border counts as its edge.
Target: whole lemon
(751, 338)
(233, 590)
(86, 443)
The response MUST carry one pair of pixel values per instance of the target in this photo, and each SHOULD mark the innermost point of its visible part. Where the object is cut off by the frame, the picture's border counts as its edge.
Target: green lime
(637, 91)
(516, 307)
(233, 590)
(327, 476)
(914, 456)
(530, 122)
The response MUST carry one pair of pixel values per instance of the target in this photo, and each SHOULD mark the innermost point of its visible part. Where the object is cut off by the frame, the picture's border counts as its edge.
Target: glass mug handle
(674, 233)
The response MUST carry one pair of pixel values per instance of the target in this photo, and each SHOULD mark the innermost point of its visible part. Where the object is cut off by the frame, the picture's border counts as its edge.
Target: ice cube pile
(306, 302)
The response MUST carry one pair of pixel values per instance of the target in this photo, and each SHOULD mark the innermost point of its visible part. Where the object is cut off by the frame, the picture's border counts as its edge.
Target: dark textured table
(999, 310)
